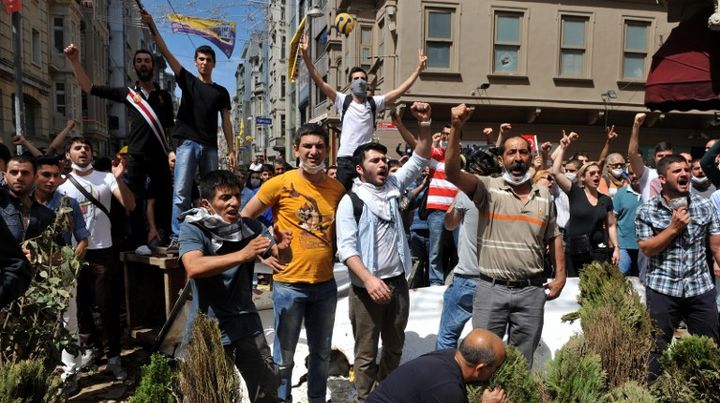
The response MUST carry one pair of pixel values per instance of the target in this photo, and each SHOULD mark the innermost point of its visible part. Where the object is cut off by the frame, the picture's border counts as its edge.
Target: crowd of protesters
(501, 226)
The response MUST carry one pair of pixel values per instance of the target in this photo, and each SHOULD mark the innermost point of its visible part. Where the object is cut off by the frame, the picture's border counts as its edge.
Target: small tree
(32, 327)
(207, 375)
(514, 377)
(573, 376)
(157, 384)
(691, 371)
(28, 381)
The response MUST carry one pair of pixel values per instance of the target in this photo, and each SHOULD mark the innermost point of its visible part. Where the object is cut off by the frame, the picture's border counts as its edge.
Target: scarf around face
(376, 199)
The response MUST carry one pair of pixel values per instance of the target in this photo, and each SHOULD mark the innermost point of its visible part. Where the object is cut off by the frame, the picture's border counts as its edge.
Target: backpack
(346, 105)
(357, 204)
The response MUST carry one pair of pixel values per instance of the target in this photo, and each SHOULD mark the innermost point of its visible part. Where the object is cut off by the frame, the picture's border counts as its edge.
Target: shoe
(114, 366)
(70, 386)
(173, 247)
(87, 357)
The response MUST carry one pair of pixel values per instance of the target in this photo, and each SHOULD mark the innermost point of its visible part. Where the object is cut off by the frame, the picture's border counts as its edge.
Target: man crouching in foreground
(218, 249)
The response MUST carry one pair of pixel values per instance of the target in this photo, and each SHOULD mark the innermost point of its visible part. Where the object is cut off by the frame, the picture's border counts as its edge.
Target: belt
(533, 281)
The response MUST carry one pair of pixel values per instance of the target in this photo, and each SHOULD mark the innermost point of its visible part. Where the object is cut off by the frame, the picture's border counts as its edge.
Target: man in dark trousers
(150, 111)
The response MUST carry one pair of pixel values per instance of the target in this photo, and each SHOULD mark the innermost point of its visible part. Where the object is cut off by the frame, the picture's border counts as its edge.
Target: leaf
(44, 274)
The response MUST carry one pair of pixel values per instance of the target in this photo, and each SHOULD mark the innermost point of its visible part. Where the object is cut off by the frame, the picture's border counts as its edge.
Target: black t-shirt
(434, 377)
(197, 118)
(586, 218)
(141, 138)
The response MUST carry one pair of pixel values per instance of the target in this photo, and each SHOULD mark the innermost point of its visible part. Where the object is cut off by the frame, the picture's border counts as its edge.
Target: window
(381, 47)
(635, 49)
(319, 95)
(58, 33)
(36, 46)
(60, 98)
(320, 43)
(283, 82)
(282, 125)
(365, 47)
(439, 38)
(507, 45)
(573, 46)
(283, 49)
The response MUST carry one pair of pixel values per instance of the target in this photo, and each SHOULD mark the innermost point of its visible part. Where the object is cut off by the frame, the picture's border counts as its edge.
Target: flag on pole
(12, 6)
(220, 33)
(294, 50)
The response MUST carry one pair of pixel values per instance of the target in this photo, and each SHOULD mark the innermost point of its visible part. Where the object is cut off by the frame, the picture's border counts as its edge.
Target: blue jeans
(457, 310)
(436, 226)
(628, 263)
(316, 304)
(190, 157)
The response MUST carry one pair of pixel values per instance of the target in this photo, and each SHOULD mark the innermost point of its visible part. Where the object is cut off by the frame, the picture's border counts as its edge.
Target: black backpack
(346, 105)
(357, 204)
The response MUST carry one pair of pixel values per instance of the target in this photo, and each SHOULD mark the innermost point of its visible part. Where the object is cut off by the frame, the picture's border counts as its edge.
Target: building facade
(542, 66)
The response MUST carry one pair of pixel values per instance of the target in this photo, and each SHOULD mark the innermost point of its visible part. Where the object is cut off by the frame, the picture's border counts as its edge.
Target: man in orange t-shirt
(303, 201)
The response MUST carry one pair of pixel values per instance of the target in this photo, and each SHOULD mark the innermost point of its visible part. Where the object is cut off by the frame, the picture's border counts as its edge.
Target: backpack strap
(346, 104)
(357, 204)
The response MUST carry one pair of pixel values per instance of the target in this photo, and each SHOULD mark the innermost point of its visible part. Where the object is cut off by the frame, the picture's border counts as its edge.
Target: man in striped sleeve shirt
(516, 219)
(441, 194)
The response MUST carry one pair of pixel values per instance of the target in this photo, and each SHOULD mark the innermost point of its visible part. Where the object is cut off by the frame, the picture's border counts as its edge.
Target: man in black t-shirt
(441, 376)
(196, 125)
(150, 112)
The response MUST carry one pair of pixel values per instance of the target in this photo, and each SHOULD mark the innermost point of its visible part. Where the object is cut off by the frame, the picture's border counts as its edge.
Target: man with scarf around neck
(218, 250)
(377, 253)
(97, 283)
(516, 219)
(303, 201)
(147, 153)
(358, 121)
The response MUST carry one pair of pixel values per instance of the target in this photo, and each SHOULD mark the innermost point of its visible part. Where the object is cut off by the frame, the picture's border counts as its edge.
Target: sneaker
(173, 247)
(114, 366)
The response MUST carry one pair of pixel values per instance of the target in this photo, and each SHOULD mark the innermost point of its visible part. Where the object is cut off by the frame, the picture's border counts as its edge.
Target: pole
(19, 104)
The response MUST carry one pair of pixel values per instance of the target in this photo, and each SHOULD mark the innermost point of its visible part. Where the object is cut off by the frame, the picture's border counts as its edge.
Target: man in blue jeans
(458, 298)
(196, 123)
(303, 201)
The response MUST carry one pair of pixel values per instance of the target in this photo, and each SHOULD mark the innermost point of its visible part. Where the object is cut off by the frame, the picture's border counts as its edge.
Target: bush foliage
(157, 383)
(691, 371)
(514, 377)
(28, 381)
(630, 392)
(574, 376)
(207, 375)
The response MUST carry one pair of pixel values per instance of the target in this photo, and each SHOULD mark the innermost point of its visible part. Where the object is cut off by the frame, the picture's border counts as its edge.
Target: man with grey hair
(441, 376)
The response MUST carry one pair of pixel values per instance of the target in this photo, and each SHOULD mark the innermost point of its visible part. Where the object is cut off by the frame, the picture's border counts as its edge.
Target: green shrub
(207, 375)
(28, 381)
(630, 392)
(157, 383)
(514, 377)
(573, 376)
(691, 371)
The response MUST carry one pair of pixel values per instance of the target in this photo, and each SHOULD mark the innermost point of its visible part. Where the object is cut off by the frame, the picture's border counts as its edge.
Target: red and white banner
(12, 6)
(532, 139)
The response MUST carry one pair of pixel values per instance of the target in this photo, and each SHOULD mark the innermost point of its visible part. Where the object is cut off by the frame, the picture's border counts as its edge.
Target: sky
(247, 14)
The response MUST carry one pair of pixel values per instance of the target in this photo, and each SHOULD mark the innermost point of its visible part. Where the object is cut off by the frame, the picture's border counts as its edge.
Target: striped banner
(220, 33)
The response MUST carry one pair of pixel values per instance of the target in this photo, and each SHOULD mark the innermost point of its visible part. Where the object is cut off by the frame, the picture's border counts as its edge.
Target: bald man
(441, 376)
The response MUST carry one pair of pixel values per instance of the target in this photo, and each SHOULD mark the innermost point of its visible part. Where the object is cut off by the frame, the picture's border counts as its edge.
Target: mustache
(518, 166)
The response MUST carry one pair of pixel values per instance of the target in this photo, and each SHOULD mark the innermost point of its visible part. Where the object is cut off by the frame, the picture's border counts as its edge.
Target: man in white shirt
(97, 282)
(358, 116)
(648, 177)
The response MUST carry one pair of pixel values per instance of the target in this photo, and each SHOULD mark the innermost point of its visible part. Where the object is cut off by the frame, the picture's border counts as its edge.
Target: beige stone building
(542, 66)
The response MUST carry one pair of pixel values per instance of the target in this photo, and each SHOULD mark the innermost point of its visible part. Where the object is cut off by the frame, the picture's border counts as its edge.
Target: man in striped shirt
(516, 219)
(441, 194)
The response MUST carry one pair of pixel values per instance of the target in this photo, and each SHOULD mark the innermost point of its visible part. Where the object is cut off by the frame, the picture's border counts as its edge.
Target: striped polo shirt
(511, 236)
(441, 192)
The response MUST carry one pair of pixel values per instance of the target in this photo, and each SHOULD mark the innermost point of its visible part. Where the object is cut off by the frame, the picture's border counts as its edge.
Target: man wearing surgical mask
(358, 122)
(701, 185)
(303, 201)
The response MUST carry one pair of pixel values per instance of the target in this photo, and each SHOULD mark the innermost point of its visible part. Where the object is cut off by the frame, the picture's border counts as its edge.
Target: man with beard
(357, 110)
(24, 217)
(303, 201)
(97, 283)
(517, 219)
(648, 177)
(374, 247)
(150, 112)
(673, 231)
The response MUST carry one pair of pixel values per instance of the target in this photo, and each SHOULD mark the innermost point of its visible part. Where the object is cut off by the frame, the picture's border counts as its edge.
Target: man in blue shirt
(218, 251)
(673, 230)
(625, 204)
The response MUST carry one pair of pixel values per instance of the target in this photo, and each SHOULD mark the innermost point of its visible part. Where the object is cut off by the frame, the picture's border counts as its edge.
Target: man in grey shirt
(458, 298)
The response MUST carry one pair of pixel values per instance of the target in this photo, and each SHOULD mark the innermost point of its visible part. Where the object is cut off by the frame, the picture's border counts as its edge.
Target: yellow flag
(294, 50)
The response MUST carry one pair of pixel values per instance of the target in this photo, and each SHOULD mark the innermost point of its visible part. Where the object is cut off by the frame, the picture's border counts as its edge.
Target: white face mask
(515, 180)
(617, 173)
(79, 168)
(572, 176)
(312, 169)
(443, 144)
(698, 180)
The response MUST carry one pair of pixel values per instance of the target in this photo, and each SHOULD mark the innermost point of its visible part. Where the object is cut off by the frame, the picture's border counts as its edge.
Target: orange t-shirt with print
(306, 209)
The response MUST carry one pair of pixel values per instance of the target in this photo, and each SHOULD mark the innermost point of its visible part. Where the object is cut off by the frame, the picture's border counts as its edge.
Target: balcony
(58, 61)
